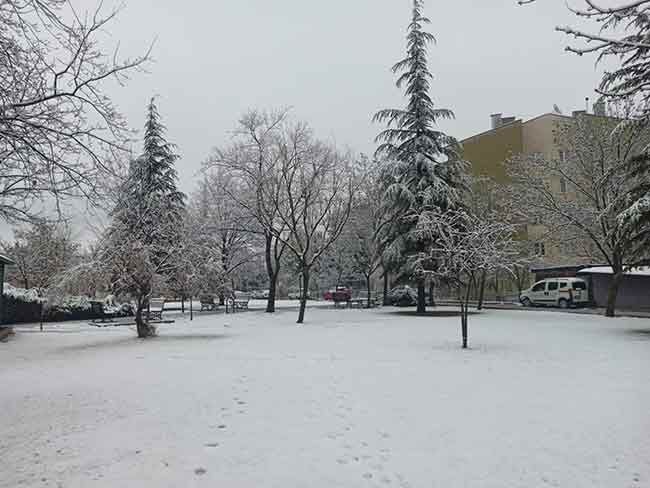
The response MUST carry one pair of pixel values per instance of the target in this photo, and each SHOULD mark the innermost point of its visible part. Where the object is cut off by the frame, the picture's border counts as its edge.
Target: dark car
(402, 296)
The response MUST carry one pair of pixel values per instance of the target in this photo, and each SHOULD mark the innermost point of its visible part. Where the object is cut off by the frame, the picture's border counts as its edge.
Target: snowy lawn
(352, 399)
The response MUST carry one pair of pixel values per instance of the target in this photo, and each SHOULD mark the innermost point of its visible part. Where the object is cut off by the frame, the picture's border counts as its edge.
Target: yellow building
(508, 137)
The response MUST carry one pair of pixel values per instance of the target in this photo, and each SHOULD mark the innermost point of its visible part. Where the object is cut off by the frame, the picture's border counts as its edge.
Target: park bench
(156, 307)
(240, 301)
(208, 303)
(100, 312)
(341, 297)
(364, 300)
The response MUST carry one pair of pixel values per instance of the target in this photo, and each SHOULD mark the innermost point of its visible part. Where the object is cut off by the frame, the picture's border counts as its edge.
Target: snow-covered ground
(352, 399)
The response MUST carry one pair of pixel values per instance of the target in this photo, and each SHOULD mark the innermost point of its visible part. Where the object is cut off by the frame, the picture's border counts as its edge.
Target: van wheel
(563, 303)
(526, 302)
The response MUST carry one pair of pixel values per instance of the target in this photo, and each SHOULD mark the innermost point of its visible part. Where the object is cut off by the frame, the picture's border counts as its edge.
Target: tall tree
(252, 163)
(313, 199)
(59, 130)
(428, 172)
(144, 240)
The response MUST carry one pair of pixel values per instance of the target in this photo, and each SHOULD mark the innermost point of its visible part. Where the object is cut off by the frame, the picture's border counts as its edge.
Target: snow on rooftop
(641, 271)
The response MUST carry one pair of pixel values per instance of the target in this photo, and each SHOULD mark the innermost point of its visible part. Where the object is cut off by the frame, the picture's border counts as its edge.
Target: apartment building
(510, 136)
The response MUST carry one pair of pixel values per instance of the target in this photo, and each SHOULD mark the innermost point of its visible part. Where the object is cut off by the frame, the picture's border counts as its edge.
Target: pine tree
(635, 219)
(428, 172)
(142, 245)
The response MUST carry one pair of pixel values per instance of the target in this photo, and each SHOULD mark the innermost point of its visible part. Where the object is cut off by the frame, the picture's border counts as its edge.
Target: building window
(563, 156)
(540, 249)
(562, 185)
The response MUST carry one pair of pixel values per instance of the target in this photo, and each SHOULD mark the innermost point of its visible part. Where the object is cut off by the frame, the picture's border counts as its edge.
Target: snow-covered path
(352, 399)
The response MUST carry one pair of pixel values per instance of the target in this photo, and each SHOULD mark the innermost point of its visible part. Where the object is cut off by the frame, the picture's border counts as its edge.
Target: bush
(24, 306)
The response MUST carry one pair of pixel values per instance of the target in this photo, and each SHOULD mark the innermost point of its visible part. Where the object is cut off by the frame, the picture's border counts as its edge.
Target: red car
(343, 292)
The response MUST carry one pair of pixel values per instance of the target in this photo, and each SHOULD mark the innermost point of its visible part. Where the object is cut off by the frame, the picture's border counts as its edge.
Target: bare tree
(59, 132)
(371, 221)
(313, 197)
(225, 222)
(464, 246)
(252, 163)
(579, 195)
(41, 251)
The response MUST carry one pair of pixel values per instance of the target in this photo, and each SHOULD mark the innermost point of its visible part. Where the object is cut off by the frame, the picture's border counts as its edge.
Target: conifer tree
(428, 172)
(142, 245)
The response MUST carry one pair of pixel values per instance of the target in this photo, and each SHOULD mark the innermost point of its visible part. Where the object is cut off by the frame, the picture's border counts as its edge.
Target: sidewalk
(516, 306)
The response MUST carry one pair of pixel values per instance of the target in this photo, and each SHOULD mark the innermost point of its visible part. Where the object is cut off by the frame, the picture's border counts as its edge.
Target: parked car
(402, 296)
(560, 292)
(341, 291)
(260, 294)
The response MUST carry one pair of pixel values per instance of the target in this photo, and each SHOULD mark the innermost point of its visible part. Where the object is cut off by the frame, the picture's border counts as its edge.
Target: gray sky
(331, 62)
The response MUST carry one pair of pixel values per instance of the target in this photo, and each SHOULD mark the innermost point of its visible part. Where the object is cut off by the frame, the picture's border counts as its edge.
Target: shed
(4, 261)
(633, 293)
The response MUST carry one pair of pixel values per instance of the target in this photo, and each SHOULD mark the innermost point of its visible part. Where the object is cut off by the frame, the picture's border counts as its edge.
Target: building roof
(5, 260)
(641, 271)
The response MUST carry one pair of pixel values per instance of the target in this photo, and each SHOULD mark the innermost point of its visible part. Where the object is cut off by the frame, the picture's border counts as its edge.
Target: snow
(640, 271)
(353, 398)
(29, 296)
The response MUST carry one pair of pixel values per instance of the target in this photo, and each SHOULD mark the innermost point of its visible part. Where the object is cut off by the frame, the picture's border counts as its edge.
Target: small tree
(464, 247)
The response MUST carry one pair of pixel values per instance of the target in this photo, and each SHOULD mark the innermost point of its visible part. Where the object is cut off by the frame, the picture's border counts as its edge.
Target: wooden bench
(156, 307)
(208, 303)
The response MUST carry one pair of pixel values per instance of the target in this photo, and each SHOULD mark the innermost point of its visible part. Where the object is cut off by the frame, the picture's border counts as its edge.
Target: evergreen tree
(142, 246)
(635, 219)
(428, 172)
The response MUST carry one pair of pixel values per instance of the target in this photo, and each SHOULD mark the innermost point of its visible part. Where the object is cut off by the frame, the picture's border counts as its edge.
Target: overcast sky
(331, 62)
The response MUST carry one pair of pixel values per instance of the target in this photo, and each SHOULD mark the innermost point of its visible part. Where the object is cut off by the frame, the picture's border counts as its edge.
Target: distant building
(508, 137)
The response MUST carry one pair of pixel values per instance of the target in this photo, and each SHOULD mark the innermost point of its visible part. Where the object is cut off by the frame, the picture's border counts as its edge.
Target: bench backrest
(156, 304)
(243, 297)
(207, 299)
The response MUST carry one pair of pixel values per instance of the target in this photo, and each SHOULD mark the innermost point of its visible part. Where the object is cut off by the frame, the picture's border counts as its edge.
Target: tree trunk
(422, 297)
(612, 293)
(481, 291)
(144, 329)
(465, 314)
(385, 287)
(273, 291)
(183, 304)
(272, 272)
(303, 296)
(432, 293)
(368, 288)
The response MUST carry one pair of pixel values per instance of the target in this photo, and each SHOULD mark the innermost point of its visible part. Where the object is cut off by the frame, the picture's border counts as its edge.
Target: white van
(561, 292)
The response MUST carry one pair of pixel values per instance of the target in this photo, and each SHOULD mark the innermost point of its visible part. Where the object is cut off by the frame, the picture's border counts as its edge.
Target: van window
(552, 285)
(563, 285)
(579, 285)
(539, 286)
